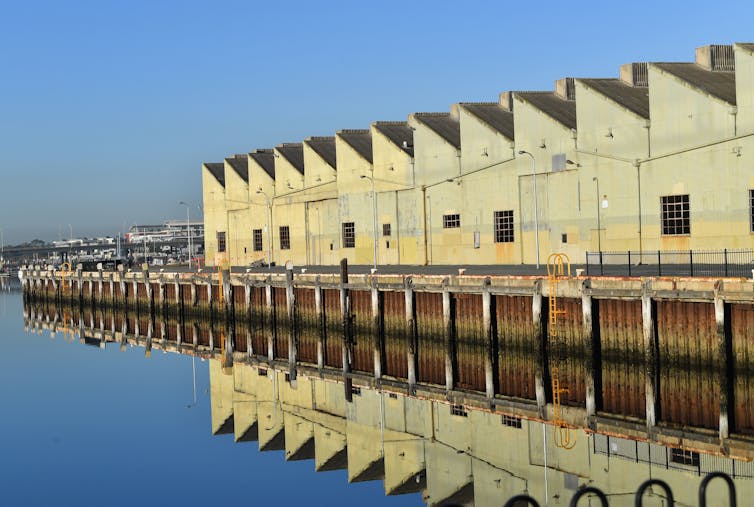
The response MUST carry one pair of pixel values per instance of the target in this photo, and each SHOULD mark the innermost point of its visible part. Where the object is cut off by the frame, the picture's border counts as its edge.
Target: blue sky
(109, 108)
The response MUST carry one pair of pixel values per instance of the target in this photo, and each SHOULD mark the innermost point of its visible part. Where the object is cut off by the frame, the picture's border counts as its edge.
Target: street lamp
(599, 228)
(269, 228)
(536, 211)
(188, 228)
(374, 219)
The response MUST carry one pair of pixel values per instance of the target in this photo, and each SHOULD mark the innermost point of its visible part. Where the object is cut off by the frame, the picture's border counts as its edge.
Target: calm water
(88, 426)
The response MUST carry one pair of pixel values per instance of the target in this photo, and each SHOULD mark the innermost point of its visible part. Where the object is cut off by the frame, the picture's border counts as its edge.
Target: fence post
(691, 262)
(586, 254)
(725, 256)
(659, 264)
(629, 263)
(290, 299)
(345, 314)
(601, 269)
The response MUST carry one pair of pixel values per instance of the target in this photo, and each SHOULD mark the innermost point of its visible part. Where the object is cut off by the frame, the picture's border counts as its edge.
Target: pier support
(345, 312)
(247, 317)
(290, 302)
(448, 328)
(539, 349)
(650, 356)
(229, 336)
(591, 342)
(724, 344)
(377, 310)
(411, 337)
(489, 330)
(270, 320)
(321, 324)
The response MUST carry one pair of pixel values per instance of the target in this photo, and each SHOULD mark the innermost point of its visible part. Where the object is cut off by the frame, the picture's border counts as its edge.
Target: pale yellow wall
(287, 210)
(684, 116)
(213, 194)
(435, 159)
(221, 395)
(744, 90)
(239, 211)
(260, 216)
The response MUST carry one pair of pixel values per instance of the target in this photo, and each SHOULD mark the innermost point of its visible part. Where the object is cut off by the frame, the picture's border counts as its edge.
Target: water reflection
(446, 452)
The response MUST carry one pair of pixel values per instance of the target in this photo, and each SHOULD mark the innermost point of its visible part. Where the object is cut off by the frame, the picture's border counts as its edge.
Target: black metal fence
(727, 262)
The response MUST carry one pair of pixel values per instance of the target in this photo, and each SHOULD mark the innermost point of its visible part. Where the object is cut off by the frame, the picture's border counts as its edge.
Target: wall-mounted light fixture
(543, 144)
(571, 162)
(609, 133)
(484, 152)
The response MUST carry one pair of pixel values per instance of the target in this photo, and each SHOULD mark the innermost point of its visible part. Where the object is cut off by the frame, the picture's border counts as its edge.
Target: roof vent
(634, 74)
(716, 57)
(506, 101)
(565, 89)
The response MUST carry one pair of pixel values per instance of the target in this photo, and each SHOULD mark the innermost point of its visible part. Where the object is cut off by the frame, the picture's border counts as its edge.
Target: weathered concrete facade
(658, 158)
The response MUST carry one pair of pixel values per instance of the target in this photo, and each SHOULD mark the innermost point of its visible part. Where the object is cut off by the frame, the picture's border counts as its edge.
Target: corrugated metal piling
(661, 357)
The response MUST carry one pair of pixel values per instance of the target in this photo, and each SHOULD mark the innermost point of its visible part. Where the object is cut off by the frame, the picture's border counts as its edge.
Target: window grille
(349, 235)
(257, 233)
(676, 215)
(504, 226)
(220, 242)
(451, 221)
(386, 230)
(285, 237)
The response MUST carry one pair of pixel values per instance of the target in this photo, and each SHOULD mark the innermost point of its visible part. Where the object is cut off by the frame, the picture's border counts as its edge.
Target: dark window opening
(349, 235)
(257, 234)
(504, 226)
(285, 237)
(676, 215)
(220, 242)
(451, 221)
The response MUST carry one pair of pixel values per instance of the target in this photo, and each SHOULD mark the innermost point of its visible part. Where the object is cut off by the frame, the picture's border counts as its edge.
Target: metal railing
(725, 263)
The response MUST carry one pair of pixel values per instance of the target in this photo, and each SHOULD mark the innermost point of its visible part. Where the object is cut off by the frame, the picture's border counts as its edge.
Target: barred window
(676, 216)
(511, 420)
(349, 235)
(257, 233)
(458, 410)
(684, 457)
(285, 237)
(751, 210)
(386, 230)
(451, 221)
(220, 242)
(504, 226)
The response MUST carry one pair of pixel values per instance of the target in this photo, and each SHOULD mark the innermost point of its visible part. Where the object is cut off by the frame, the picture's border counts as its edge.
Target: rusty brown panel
(742, 323)
(241, 342)
(141, 290)
(119, 321)
(239, 296)
(203, 335)
(689, 393)
(363, 348)
(155, 290)
(430, 352)
(131, 325)
(622, 353)
(171, 330)
(258, 324)
(396, 362)
(201, 293)
(333, 328)
(471, 341)
(309, 328)
(106, 290)
(170, 292)
(567, 351)
(516, 347)
(282, 323)
(186, 293)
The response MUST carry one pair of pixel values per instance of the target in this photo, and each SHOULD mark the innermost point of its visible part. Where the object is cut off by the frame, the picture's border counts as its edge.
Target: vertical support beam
(448, 328)
(163, 298)
(378, 342)
(124, 331)
(194, 299)
(410, 334)
(650, 356)
(135, 287)
(270, 318)
(724, 344)
(321, 321)
(112, 290)
(290, 303)
(100, 286)
(540, 365)
(148, 287)
(195, 335)
(489, 329)
(230, 321)
(80, 287)
(591, 342)
(345, 313)
(150, 334)
(247, 317)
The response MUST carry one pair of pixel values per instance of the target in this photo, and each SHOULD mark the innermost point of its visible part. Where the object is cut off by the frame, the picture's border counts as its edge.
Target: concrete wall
(215, 217)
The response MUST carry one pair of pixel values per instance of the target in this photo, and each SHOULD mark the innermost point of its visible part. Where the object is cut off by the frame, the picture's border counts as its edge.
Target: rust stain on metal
(309, 327)
(395, 328)
(363, 348)
(431, 347)
(516, 348)
(471, 338)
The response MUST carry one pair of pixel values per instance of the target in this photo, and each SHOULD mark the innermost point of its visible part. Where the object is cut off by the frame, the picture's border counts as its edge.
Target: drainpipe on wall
(424, 231)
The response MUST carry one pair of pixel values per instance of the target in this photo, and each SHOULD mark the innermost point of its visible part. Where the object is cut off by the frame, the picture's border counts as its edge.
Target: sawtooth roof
(493, 114)
(359, 140)
(560, 110)
(240, 164)
(633, 98)
(716, 83)
(399, 133)
(217, 169)
(748, 46)
(293, 153)
(265, 158)
(443, 125)
(325, 148)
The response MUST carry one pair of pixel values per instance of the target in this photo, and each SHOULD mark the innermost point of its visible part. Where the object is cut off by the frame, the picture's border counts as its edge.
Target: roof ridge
(479, 104)
(288, 145)
(320, 138)
(258, 151)
(354, 131)
(390, 123)
(432, 114)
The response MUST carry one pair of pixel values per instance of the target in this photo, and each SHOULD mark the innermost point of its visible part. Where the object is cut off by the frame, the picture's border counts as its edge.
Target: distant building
(169, 231)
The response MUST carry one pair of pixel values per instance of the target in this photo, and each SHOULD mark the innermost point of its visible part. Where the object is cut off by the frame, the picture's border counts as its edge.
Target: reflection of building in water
(449, 453)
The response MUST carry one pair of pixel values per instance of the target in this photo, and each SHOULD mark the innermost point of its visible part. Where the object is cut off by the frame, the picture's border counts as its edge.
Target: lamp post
(374, 219)
(536, 211)
(269, 228)
(188, 228)
(599, 227)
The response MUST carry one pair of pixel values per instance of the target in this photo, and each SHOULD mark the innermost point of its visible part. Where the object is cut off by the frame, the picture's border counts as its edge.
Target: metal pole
(536, 210)
(269, 228)
(188, 230)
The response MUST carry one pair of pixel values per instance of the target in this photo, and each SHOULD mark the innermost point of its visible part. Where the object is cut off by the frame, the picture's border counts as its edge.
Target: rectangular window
(349, 235)
(458, 410)
(220, 242)
(451, 221)
(257, 233)
(683, 457)
(285, 237)
(676, 215)
(751, 210)
(504, 226)
(386, 230)
(511, 421)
